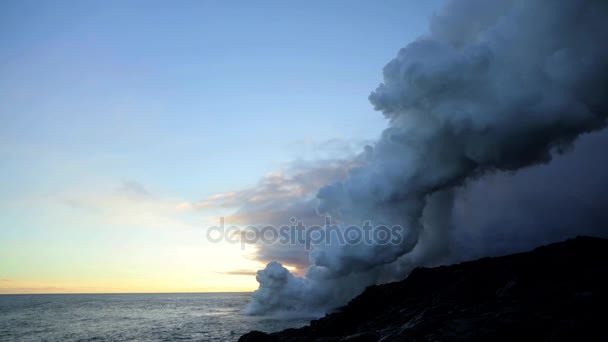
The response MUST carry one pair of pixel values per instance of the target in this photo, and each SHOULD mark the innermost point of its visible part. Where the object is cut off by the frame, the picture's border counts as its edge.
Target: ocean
(131, 317)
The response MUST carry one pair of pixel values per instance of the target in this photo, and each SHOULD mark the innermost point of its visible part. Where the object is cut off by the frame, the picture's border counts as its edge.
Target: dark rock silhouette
(553, 293)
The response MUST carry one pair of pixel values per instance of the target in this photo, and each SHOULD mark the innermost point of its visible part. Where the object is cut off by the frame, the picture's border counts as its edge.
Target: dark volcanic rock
(553, 293)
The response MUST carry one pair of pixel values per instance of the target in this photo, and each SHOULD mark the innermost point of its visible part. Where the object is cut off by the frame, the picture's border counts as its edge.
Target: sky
(124, 126)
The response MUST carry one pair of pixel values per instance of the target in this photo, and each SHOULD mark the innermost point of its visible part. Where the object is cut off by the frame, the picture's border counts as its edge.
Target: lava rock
(553, 293)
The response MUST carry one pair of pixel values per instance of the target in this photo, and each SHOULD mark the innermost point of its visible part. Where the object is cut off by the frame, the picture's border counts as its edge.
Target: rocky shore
(553, 293)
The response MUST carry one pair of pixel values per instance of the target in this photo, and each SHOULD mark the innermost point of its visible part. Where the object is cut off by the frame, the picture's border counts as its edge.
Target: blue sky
(170, 100)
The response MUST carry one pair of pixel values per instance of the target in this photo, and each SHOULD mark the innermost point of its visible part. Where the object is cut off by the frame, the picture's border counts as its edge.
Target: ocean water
(131, 317)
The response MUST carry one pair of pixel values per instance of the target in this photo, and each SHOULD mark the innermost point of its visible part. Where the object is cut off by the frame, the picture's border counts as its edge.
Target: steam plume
(495, 86)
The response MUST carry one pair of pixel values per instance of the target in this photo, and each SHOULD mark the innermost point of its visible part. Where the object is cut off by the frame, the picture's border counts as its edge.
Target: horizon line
(119, 293)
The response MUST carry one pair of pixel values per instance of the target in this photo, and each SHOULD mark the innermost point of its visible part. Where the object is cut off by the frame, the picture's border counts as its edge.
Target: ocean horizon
(205, 316)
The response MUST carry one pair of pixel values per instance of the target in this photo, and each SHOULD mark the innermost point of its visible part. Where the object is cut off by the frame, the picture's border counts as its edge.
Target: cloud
(133, 188)
(241, 272)
(279, 196)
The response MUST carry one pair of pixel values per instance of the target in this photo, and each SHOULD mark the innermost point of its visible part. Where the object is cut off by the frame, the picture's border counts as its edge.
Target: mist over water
(494, 88)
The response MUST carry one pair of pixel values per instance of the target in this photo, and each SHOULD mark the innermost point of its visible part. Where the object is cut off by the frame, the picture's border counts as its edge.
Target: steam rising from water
(497, 85)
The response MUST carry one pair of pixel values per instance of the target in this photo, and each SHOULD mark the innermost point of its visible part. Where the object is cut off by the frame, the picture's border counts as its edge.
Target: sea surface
(131, 317)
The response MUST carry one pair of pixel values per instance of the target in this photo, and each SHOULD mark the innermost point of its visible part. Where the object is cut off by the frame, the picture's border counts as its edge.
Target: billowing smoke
(495, 86)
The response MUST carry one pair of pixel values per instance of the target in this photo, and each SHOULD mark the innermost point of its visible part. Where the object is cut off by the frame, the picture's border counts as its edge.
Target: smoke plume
(495, 87)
